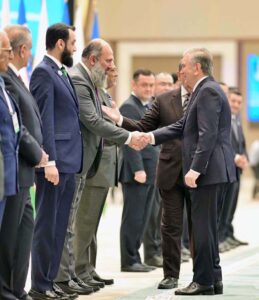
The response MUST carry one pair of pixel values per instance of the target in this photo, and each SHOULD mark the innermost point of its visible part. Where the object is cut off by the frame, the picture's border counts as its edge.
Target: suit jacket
(58, 106)
(238, 142)
(93, 125)
(1, 172)
(9, 145)
(131, 160)
(165, 110)
(205, 130)
(107, 173)
(30, 151)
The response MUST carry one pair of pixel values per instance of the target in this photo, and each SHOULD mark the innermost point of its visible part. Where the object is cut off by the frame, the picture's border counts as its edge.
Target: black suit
(230, 203)
(205, 132)
(138, 197)
(17, 230)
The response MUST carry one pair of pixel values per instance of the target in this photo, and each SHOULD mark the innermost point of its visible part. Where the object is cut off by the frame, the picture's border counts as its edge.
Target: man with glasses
(18, 217)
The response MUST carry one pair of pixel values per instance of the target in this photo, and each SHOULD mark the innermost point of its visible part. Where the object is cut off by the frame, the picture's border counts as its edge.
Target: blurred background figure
(227, 239)
(137, 176)
(254, 164)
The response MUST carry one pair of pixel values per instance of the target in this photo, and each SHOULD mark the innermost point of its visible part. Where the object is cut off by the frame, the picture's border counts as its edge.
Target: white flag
(5, 14)
(43, 25)
(80, 40)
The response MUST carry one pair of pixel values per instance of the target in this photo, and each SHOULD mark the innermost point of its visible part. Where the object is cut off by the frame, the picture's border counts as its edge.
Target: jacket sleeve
(42, 88)
(132, 157)
(90, 118)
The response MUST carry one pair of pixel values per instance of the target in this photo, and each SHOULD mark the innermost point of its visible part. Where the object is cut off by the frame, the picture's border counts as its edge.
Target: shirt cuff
(120, 121)
(153, 142)
(195, 173)
(50, 163)
(128, 139)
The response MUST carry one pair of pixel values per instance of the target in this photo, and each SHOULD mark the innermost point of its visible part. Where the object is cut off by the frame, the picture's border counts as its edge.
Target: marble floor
(240, 266)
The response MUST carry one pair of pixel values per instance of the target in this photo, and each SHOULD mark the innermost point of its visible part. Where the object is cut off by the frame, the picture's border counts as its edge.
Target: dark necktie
(64, 71)
(186, 102)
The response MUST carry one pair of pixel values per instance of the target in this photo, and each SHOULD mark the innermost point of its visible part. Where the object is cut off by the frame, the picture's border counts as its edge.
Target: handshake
(139, 140)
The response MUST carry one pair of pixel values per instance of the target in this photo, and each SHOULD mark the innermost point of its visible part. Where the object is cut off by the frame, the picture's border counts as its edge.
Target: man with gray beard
(89, 77)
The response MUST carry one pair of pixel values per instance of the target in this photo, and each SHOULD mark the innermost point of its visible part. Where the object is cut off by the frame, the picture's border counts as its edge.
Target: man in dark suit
(54, 92)
(208, 165)
(10, 132)
(166, 109)
(1, 175)
(18, 217)
(88, 77)
(152, 237)
(137, 175)
(226, 230)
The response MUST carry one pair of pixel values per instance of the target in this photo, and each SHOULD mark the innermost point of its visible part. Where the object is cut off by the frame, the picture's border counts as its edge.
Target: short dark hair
(175, 77)
(234, 90)
(144, 72)
(55, 32)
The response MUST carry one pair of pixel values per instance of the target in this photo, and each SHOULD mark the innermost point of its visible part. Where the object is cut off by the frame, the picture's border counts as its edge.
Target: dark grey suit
(18, 217)
(93, 128)
(138, 197)
(205, 132)
(1, 174)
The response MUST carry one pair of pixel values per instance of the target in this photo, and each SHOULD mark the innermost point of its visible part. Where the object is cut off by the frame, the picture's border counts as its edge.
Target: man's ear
(92, 60)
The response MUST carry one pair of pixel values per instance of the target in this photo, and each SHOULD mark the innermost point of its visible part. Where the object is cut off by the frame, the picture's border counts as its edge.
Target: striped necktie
(186, 102)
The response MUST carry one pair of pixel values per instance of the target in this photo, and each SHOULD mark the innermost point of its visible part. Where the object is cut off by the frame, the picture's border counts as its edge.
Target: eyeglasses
(9, 50)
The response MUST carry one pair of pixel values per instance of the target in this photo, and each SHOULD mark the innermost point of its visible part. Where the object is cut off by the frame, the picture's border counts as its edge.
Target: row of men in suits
(207, 164)
(54, 124)
(21, 146)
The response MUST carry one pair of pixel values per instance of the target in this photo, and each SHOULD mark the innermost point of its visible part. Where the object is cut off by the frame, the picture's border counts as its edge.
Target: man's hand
(241, 161)
(138, 140)
(140, 176)
(51, 174)
(190, 179)
(112, 112)
(44, 160)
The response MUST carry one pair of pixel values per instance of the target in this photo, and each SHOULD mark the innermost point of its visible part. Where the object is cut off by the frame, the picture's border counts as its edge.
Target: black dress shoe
(196, 289)
(137, 267)
(71, 287)
(47, 295)
(84, 285)
(240, 243)
(25, 297)
(218, 288)
(156, 261)
(105, 281)
(58, 290)
(93, 283)
(168, 283)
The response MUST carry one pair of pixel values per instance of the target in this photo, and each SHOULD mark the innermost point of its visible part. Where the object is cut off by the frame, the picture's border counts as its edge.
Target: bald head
(98, 58)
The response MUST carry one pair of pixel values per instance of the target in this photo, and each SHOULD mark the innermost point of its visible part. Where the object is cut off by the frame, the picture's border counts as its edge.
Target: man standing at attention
(18, 220)
(137, 175)
(208, 165)
(55, 95)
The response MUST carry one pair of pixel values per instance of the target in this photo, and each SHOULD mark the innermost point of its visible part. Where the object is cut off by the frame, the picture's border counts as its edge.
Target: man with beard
(55, 183)
(89, 77)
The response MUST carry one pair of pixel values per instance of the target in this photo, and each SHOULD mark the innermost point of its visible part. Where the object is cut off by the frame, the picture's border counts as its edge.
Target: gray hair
(18, 35)
(94, 47)
(203, 57)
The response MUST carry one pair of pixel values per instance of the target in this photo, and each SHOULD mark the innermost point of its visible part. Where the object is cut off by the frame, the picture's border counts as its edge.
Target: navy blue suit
(58, 105)
(205, 132)
(9, 147)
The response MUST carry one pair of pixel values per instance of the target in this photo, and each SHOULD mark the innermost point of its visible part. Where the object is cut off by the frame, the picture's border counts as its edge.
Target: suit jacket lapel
(58, 72)
(22, 86)
(176, 102)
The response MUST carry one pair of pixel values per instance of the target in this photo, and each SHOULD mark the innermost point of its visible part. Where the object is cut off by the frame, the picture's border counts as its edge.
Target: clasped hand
(139, 140)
